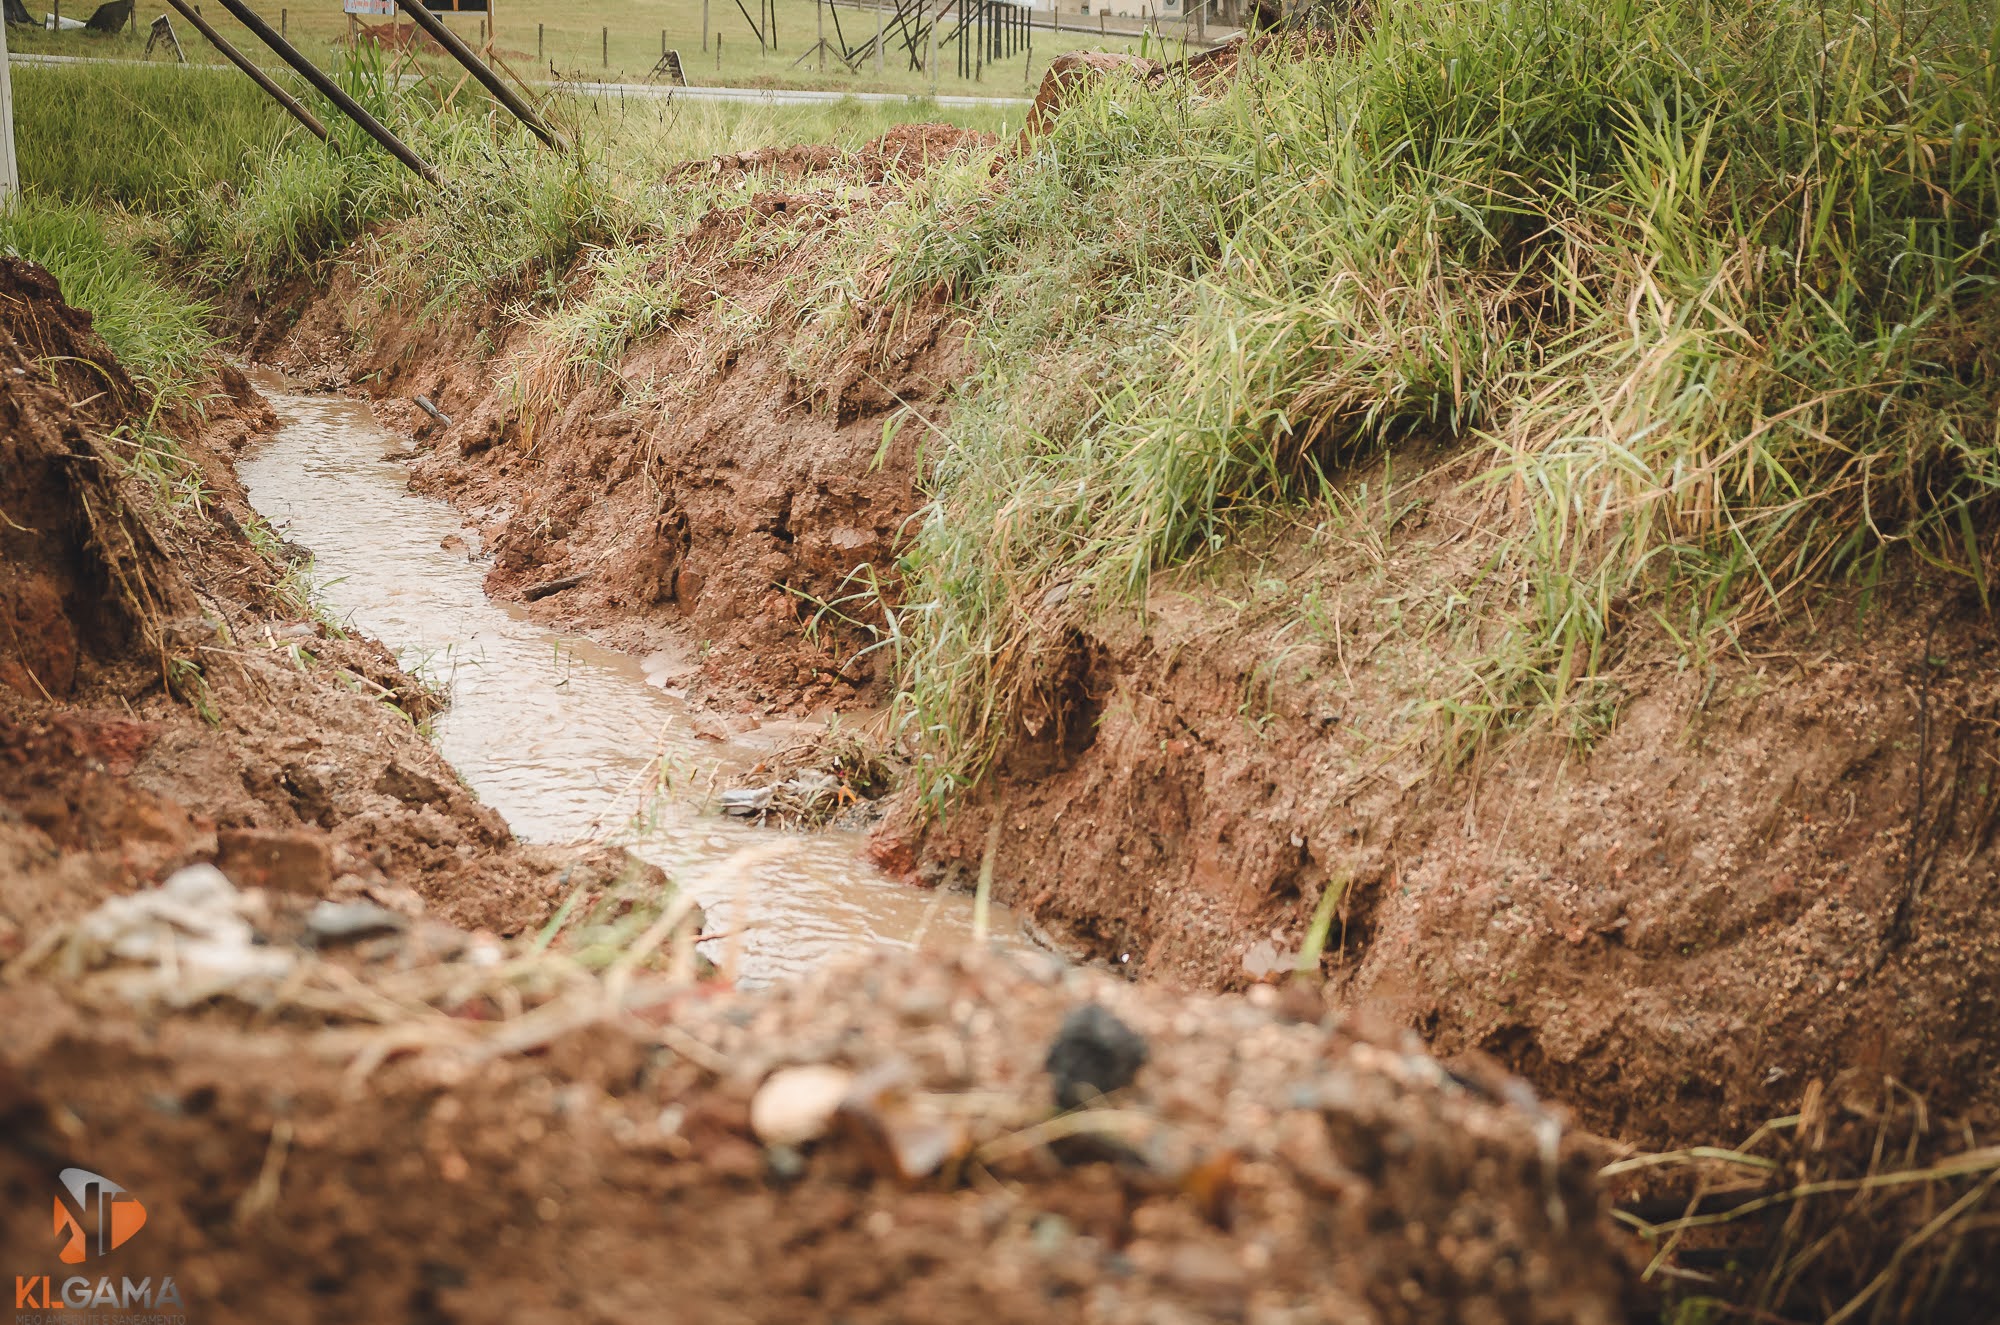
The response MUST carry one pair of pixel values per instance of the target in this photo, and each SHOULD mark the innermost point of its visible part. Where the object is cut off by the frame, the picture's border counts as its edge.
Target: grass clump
(157, 331)
(1709, 289)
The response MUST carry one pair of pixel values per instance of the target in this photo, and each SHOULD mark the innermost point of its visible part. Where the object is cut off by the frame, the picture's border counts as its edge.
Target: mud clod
(1094, 1054)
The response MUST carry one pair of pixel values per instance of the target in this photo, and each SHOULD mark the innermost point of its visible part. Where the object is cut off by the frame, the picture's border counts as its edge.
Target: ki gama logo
(94, 1217)
(98, 1218)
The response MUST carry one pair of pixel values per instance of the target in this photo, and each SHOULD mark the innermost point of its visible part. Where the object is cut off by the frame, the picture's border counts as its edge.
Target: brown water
(560, 734)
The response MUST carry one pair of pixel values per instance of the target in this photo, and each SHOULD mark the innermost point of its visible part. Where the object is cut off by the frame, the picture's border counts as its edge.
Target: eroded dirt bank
(1259, 1169)
(704, 491)
(1739, 889)
(364, 1115)
(1735, 906)
(167, 696)
(1678, 931)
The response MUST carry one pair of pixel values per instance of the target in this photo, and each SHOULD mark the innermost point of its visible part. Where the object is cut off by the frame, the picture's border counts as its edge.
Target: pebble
(1094, 1054)
(796, 1105)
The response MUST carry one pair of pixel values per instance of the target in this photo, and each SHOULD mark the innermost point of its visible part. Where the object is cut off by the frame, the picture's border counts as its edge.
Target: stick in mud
(535, 593)
(257, 76)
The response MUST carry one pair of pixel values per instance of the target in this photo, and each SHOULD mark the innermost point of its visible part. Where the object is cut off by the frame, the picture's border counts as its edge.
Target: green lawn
(535, 35)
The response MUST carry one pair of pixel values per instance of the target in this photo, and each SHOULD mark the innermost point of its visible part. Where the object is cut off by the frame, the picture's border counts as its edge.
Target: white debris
(191, 932)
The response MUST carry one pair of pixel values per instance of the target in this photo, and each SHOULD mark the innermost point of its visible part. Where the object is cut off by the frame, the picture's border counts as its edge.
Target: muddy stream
(557, 733)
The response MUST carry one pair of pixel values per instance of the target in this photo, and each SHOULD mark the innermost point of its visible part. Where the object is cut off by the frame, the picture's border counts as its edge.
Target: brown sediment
(165, 699)
(1732, 905)
(1256, 1168)
(1678, 929)
(1728, 895)
(417, 1123)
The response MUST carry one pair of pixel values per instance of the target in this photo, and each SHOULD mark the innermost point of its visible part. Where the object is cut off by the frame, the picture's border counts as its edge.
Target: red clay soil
(1678, 931)
(1767, 891)
(712, 529)
(1257, 1169)
(421, 1127)
(1675, 931)
(1734, 901)
(163, 698)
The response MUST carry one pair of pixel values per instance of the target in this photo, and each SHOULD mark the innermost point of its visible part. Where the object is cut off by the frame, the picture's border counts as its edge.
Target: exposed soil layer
(165, 696)
(1678, 931)
(1765, 892)
(1256, 1169)
(711, 493)
(1760, 889)
(1737, 890)
(397, 1121)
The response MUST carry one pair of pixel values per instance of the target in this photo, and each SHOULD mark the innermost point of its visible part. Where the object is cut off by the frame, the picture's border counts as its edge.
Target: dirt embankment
(356, 1117)
(1679, 930)
(704, 493)
(1762, 889)
(1772, 869)
(166, 696)
(676, 1161)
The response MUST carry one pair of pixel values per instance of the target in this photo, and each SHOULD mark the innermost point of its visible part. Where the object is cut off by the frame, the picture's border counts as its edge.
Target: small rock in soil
(796, 1104)
(284, 860)
(335, 922)
(1094, 1054)
(410, 787)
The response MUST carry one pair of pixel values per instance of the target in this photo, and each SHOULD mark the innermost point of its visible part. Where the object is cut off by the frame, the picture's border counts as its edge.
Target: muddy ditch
(1679, 930)
(1726, 912)
(244, 983)
(568, 740)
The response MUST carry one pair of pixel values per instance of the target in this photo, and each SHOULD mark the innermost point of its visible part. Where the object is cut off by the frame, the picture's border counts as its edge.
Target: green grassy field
(151, 190)
(536, 36)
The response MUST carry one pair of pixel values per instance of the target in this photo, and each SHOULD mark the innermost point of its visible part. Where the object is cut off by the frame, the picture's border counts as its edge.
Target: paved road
(769, 96)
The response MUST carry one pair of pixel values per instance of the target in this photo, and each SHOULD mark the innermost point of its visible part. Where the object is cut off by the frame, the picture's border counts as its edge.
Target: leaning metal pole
(243, 62)
(456, 48)
(329, 89)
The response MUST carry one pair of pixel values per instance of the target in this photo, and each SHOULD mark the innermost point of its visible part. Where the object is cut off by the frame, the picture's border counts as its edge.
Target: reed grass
(1709, 289)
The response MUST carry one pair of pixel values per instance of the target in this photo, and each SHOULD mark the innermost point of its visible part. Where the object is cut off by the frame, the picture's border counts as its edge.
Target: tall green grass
(138, 135)
(1710, 287)
(157, 331)
(153, 191)
(239, 197)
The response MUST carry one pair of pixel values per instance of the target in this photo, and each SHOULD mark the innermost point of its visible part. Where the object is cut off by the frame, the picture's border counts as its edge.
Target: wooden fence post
(10, 179)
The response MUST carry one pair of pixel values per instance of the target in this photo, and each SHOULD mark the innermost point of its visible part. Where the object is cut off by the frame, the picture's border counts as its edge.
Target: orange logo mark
(97, 1217)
